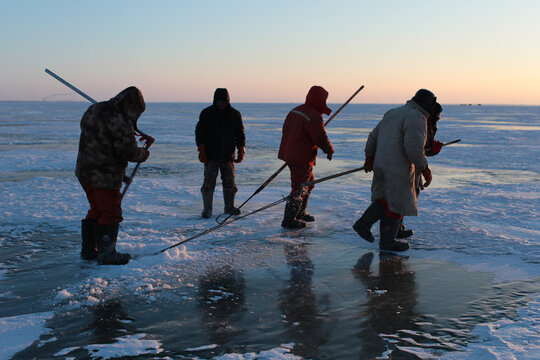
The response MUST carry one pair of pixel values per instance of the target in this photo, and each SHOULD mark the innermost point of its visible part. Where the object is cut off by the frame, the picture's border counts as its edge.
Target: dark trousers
(211, 169)
(105, 205)
(299, 175)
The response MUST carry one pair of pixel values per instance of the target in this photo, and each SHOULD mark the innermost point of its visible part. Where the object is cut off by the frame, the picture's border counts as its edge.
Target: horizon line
(268, 102)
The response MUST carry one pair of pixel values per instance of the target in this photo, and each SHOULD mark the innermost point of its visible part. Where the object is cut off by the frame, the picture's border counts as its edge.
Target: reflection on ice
(221, 301)
(303, 313)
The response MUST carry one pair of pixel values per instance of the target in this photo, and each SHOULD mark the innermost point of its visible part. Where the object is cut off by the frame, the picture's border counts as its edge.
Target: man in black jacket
(219, 131)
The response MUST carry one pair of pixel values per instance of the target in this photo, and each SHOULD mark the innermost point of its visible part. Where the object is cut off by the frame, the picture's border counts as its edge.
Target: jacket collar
(418, 107)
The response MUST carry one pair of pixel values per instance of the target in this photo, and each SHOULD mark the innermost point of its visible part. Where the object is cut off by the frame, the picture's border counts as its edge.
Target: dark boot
(389, 229)
(363, 225)
(402, 233)
(208, 197)
(89, 245)
(302, 214)
(292, 207)
(228, 199)
(106, 236)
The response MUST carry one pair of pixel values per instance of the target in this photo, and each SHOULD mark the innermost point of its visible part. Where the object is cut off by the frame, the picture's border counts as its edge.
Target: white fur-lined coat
(397, 142)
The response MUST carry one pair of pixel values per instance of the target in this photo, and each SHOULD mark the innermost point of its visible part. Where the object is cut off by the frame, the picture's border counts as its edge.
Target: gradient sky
(465, 51)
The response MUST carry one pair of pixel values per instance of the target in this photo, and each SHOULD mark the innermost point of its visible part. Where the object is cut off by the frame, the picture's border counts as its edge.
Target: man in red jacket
(303, 134)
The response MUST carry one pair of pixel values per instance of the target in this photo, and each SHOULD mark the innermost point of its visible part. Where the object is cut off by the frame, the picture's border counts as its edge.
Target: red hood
(316, 98)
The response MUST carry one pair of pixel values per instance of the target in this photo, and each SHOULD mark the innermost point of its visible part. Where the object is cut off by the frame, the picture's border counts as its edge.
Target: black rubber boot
(292, 207)
(363, 225)
(389, 229)
(228, 199)
(302, 214)
(208, 197)
(106, 236)
(89, 245)
(403, 233)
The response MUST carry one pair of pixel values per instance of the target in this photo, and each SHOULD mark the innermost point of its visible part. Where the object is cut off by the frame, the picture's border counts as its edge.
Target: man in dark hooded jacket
(302, 135)
(219, 131)
(106, 145)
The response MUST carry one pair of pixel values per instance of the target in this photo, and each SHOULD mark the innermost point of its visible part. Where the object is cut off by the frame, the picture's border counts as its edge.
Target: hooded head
(130, 102)
(437, 110)
(221, 98)
(426, 99)
(436, 115)
(316, 98)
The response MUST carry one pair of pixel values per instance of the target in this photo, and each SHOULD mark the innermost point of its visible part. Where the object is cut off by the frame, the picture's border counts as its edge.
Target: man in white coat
(394, 150)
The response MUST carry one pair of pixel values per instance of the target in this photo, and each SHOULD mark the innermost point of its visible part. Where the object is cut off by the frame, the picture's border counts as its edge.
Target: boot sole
(286, 226)
(404, 234)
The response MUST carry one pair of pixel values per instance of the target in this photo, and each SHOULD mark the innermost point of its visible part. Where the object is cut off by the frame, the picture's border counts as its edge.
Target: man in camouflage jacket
(106, 145)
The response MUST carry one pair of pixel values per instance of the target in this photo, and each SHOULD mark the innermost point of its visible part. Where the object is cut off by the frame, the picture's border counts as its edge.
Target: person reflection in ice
(298, 303)
(392, 300)
(221, 300)
(110, 322)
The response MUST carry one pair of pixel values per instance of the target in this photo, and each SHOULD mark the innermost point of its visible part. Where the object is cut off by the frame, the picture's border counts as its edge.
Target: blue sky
(464, 51)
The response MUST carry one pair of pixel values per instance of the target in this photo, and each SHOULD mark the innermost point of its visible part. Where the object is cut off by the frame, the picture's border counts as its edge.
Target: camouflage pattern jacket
(108, 140)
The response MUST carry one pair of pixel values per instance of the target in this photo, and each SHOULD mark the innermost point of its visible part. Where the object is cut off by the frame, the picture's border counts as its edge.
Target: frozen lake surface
(469, 288)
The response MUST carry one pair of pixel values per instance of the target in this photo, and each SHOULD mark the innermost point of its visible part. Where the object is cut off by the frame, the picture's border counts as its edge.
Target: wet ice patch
(132, 345)
(204, 347)
(19, 332)
(505, 268)
(3, 272)
(283, 352)
(506, 339)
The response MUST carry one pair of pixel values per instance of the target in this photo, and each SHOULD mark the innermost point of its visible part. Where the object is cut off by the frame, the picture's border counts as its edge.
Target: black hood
(426, 99)
(221, 94)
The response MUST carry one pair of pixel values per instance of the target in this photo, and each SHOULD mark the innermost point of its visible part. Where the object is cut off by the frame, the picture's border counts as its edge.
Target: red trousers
(299, 175)
(105, 205)
(388, 212)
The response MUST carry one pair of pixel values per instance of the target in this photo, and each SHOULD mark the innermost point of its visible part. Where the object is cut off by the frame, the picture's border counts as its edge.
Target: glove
(368, 163)
(326, 146)
(241, 153)
(148, 140)
(146, 155)
(202, 154)
(436, 147)
(426, 173)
